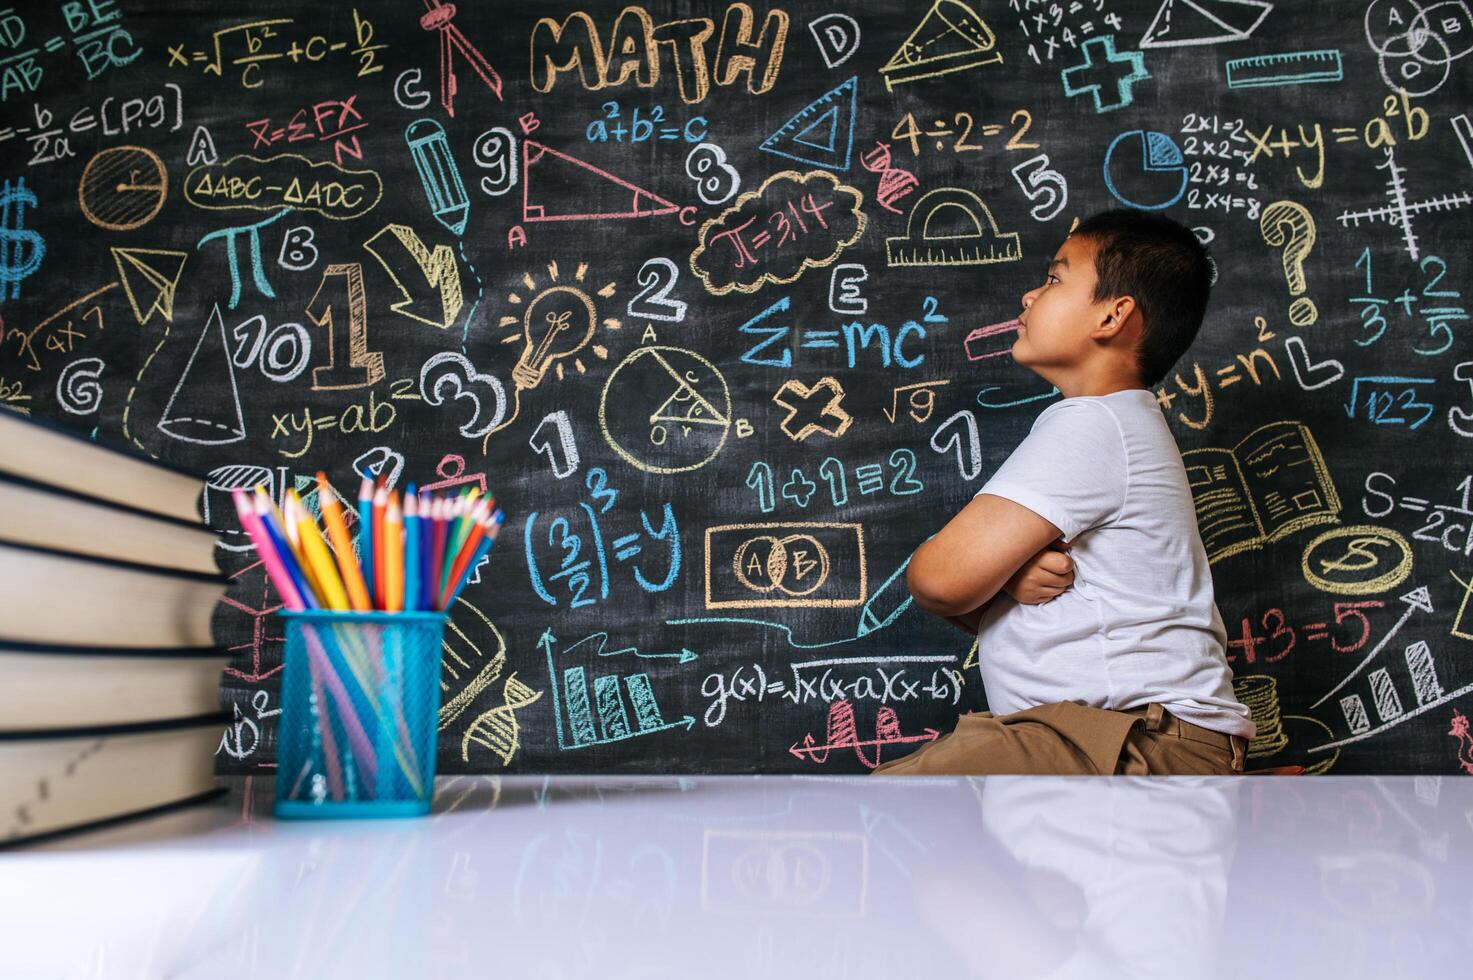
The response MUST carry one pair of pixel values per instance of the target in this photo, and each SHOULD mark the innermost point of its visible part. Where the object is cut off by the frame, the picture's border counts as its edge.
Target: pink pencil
(277, 572)
(286, 587)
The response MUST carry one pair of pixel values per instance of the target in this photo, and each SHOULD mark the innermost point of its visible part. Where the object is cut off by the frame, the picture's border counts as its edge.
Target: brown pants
(1066, 738)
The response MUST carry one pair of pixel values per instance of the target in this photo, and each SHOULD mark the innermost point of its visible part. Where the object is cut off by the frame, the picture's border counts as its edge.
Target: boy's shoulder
(1120, 405)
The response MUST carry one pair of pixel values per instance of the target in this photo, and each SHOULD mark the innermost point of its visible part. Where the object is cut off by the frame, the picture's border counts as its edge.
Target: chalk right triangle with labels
(822, 133)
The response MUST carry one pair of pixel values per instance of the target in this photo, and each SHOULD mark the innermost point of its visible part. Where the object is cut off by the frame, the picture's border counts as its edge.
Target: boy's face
(1059, 315)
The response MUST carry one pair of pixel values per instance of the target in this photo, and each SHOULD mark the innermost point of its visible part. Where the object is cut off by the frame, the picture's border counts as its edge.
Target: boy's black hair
(1161, 263)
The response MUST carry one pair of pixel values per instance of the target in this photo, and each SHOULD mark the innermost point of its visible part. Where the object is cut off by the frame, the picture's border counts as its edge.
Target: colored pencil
(437, 551)
(380, 501)
(291, 518)
(342, 545)
(271, 514)
(487, 540)
(426, 548)
(319, 559)
(463, 524)
(365, 536)
(380, 504)
(412, 561)
(288, 558)
(277, 572)
(487, 505)
(393, 557)
(453, 508)
(271, 519)
(463, 554)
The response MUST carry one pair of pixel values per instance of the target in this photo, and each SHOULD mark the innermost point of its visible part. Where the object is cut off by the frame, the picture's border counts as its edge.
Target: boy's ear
(1116, 312)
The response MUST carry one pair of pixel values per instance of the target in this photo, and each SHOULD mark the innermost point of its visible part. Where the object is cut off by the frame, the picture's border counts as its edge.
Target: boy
(1078, 565)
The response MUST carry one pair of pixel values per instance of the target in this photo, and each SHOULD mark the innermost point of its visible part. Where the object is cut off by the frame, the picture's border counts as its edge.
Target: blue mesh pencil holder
(360, 703)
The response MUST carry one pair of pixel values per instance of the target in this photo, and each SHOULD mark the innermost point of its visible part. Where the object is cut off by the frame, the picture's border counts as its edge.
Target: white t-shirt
(1129, 845)
(1139, 623)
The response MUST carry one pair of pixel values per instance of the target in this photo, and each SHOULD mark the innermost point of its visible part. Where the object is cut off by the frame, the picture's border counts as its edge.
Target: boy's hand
(1043, 576)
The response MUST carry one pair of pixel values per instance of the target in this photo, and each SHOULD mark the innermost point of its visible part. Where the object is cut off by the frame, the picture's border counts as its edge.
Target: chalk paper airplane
(951, 37)
(1182, 22)
(151, 274)
(590, 192)
(822, 133)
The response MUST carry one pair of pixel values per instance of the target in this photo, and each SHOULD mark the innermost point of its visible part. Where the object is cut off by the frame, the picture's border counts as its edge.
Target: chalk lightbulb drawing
(557, 324)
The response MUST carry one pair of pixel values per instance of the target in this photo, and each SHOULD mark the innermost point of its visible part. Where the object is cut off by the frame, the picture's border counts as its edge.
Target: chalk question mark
(1290, 225)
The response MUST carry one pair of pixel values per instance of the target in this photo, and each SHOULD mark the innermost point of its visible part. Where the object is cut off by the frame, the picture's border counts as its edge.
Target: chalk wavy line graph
(842, 732)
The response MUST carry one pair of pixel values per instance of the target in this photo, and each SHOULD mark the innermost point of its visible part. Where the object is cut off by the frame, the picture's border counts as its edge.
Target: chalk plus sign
(1099, 69)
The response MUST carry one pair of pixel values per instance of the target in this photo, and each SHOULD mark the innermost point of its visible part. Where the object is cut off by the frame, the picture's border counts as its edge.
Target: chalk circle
(675, 394)
(775, 563)
(123, 187)
(1344, 550)
(1303, 312)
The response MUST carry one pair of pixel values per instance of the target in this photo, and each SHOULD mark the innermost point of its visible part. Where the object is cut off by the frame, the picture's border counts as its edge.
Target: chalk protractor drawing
(951, 226)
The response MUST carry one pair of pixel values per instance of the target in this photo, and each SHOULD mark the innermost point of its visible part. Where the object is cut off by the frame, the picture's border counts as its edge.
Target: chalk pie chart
(1145, 169)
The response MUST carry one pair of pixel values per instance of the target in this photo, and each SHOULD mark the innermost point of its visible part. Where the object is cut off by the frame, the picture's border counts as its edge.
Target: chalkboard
(717, 300)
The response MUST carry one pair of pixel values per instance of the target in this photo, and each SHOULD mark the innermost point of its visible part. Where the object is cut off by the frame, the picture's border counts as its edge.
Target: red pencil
(480, 516)
(437, 554)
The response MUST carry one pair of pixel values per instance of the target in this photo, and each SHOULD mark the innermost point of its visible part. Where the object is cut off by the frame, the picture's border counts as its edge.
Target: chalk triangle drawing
(951, 37)
(696, 409)
(1184, 22)
(579, 191)
(822, 133)
(151, 275)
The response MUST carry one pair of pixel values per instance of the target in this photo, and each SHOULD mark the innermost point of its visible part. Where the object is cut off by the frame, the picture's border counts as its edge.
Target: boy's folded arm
(969, 560)
(970, 622)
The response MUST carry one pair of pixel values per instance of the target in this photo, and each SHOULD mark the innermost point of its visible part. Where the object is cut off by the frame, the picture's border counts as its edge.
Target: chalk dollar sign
(21, 249)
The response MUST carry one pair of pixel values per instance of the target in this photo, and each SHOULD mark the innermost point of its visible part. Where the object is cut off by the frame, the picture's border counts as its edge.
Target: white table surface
(776, 876)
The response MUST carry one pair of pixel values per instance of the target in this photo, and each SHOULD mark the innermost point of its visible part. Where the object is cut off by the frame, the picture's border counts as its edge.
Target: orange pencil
(393, 557)
(342, 545)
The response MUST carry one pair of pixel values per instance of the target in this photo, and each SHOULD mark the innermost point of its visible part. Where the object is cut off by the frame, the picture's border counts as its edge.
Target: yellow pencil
(291, 534)
(293, 525)
(393, 557)
(319, 559)
(342, 543)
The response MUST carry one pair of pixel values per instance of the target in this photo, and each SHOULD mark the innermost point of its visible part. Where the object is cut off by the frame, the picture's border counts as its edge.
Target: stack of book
(109, 678)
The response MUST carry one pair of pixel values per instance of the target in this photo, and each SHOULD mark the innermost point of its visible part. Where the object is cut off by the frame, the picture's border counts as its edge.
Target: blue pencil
(412, 560)
(284, 551)
(365, 538)
(481, 550)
